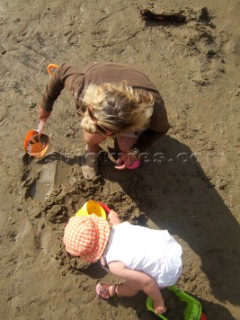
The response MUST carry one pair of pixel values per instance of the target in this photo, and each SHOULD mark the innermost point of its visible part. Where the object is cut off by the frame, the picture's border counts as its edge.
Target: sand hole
(43, 185)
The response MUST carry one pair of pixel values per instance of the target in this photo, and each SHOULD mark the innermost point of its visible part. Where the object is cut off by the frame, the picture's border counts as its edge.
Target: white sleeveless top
(154, 252)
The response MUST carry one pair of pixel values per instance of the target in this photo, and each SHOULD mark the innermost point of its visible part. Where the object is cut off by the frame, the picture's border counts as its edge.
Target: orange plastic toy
(36, 144)
(51, 68)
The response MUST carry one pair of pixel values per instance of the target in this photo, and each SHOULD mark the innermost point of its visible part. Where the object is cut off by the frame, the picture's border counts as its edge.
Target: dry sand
(189, 185)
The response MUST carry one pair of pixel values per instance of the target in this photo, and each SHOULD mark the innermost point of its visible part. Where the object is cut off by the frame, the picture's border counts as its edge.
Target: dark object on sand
(204, 16)
(162, 18)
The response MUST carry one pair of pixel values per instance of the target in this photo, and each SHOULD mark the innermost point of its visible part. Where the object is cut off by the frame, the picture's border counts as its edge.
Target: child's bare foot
(159, 307)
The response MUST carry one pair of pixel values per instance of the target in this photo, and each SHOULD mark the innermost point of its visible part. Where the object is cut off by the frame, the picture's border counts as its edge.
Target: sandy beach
(188, 184)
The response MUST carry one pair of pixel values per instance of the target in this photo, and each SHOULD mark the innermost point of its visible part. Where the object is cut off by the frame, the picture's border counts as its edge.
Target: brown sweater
(67, 76)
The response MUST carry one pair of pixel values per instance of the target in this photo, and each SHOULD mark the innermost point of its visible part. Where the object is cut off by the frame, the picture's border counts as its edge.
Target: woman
(114, 100)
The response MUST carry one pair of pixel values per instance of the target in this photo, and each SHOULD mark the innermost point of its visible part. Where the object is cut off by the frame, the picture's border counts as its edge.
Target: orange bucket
(51, 68)
(36, 144)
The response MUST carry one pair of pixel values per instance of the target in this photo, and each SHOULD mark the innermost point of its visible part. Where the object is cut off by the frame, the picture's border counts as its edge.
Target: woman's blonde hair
(118, 107)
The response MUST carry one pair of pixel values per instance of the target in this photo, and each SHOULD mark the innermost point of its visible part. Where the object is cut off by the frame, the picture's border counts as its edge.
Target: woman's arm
(66, 76)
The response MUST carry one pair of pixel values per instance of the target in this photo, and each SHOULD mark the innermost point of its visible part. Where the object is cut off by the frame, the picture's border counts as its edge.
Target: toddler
(146, 259)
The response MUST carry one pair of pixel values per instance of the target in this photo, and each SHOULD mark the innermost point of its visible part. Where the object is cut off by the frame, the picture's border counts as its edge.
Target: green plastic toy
(193, 310)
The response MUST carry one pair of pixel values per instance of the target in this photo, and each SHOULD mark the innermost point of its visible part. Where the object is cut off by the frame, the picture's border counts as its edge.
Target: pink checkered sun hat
(86, 237)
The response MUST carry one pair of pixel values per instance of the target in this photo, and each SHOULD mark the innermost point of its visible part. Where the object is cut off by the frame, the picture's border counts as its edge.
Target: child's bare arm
(113, 218)
(139, 280)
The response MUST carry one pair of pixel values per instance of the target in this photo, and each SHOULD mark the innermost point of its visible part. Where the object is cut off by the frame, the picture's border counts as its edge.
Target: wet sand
(189, 183)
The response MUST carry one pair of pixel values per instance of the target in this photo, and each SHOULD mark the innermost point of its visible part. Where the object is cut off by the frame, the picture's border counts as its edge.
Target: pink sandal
(102, 290)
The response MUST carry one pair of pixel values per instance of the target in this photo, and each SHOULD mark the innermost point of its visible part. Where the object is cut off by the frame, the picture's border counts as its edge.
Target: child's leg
(106, 291)
(127, 289)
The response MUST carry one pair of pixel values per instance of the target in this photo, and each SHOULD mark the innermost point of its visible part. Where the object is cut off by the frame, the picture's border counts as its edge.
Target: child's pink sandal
(102, 290)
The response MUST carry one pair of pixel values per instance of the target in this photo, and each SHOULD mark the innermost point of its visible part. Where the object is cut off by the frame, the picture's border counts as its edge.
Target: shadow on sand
(174, 191)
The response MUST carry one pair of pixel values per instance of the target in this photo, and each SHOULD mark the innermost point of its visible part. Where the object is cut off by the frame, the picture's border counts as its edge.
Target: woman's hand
(43, 115)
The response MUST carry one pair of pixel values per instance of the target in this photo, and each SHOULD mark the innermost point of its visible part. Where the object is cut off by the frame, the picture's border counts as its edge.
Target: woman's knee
(125, 144)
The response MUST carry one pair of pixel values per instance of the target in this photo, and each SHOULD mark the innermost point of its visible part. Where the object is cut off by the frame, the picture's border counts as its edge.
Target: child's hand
(113, 218)
(105, 207)
(112, 215)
